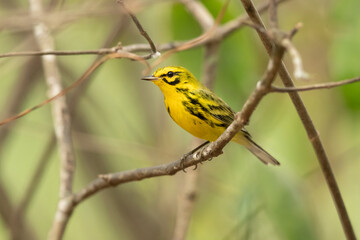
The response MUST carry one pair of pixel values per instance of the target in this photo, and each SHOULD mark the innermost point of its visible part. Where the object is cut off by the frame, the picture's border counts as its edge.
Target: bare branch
(309, 126)
(139, 26)
(59, 53)
(315, 86)
(60, 109)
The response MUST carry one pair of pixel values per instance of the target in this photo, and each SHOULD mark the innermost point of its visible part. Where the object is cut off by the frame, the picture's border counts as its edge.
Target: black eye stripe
(176, 81)
(169, 77)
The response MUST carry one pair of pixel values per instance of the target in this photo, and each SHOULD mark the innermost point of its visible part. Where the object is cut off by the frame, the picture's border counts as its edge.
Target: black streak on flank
(224, 118)
(222, 125)
(215, 107)
(193, 111)
(168, 110)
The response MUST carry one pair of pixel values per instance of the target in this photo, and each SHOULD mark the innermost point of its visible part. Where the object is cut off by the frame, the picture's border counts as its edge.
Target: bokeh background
(120, 123)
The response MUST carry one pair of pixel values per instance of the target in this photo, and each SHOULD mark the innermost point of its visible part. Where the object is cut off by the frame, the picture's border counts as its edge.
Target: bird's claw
(198, 152)
(182, 161)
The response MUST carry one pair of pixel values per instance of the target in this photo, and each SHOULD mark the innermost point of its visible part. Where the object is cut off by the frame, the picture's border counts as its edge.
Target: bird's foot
(197, 155)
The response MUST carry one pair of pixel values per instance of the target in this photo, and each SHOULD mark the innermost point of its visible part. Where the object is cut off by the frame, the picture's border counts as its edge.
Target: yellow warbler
(198, 110)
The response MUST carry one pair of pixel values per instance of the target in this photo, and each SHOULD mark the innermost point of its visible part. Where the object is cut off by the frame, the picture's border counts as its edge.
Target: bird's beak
(149, 78)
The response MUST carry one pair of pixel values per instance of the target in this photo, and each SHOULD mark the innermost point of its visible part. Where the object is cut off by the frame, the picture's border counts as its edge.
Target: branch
(309, 127)
(140, 28)
(59, 53)
(60, 110)
(315, 86)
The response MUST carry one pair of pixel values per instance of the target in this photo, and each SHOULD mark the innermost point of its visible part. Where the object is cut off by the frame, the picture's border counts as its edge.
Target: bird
(200, 111)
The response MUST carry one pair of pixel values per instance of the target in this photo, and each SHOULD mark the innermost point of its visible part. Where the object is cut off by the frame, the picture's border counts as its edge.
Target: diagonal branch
(139, 26)
(309, 127)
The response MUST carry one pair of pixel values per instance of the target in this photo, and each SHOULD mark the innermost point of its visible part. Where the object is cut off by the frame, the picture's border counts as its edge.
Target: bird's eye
(170, 74)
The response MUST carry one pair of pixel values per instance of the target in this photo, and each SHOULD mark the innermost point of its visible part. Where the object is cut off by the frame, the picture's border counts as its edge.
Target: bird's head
(168, 79)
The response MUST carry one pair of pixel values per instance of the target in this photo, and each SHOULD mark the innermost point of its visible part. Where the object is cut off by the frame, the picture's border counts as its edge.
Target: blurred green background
(120, 123)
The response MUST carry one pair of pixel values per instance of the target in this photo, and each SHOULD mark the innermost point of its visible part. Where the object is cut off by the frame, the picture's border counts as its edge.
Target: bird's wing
(218, 109)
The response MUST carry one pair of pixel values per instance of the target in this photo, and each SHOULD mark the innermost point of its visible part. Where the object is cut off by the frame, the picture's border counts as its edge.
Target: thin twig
(309, 127)
(97, 64)
(59, 53)
(139, 26)
(315, 86)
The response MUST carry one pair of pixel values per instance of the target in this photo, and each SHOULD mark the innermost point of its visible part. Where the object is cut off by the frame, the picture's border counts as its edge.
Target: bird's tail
(244, 139)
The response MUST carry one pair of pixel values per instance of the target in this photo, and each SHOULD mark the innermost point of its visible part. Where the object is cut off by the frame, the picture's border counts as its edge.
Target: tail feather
(261, 154)
(253, 147)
